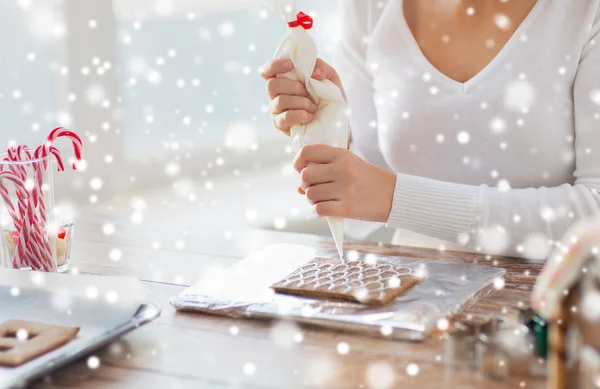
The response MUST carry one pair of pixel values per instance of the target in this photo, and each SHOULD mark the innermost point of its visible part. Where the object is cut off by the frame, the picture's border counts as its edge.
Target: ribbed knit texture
(438, 209)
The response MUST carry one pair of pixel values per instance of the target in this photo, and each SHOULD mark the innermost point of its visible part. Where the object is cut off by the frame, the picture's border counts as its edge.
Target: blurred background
(167, 97)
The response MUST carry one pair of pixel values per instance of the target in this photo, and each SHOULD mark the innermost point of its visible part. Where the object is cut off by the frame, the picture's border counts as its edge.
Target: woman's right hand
(290, 102)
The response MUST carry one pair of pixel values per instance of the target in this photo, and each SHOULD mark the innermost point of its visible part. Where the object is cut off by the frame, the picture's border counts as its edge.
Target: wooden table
(182, 350)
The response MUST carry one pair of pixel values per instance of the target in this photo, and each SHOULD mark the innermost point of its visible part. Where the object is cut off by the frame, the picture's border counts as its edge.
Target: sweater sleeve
(518, 222)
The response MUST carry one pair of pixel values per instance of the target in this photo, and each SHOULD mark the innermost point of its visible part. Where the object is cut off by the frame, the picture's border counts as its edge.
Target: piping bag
(330, 125)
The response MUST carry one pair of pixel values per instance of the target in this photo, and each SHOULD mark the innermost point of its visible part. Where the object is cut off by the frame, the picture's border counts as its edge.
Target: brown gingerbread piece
(357, 281)
(22, 341)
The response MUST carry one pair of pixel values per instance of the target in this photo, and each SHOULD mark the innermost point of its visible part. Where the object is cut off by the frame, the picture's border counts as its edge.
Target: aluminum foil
(243, 290)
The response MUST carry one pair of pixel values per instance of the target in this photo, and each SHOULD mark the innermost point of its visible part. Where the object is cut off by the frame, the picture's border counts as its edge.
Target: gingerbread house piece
(567, 296)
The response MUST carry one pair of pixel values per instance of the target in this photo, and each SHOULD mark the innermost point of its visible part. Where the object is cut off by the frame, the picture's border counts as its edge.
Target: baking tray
(243, 291)
(101, 322)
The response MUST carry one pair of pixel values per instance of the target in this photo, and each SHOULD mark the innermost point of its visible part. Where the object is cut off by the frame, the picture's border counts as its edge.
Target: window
(29, 70)
(162, 91)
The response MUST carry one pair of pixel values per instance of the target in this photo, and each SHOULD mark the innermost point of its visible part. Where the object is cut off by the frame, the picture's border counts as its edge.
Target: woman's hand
(338, 183)
(290, 102)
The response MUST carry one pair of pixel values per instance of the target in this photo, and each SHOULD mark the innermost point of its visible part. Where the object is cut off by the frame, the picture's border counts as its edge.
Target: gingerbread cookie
(22, 341)
(348, 280)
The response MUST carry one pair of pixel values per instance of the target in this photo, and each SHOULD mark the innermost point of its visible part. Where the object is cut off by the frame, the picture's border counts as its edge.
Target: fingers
(323, 71)
(275, 67)
(318, 74)
(283, 65)
(283, 86)
(322, 192)
(316, 174)
(329, 208)
(313, 154)
(284, 103)
(284, 121)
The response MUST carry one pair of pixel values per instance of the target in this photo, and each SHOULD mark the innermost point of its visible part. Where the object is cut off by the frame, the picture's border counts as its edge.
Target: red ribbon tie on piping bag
(302, 20)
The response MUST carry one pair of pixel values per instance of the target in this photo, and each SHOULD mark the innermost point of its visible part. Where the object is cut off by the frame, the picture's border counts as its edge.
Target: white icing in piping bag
(336, 226)
(330, 125)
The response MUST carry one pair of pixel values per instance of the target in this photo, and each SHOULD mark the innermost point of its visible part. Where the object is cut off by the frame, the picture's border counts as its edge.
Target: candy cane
(30, 221)
(18, 259)
(60, 132)
(30, 218)
(9, 205)
(48, 148)
(21, 193)
(42, 247)
(39, 176)
(38, 166)
(39, 248)
(13, 214)
(41, 153)
(6, 197)
(60, 166)
(19, 171)
(22, 228)
(38, 186)
(39, 252)
(16, 154)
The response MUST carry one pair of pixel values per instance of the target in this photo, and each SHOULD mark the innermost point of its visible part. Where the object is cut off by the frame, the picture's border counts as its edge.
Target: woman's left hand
(338, 183)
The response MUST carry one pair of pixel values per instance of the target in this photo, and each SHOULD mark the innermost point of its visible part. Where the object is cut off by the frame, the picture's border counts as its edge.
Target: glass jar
(461, 343)
(32, 237)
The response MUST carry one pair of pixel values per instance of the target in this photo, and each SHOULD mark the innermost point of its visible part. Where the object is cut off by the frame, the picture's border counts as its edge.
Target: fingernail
(287, 64)
(317, 72)
(314, 107)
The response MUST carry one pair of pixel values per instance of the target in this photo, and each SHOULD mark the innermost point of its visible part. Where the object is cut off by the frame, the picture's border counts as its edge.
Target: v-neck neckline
(468, 84)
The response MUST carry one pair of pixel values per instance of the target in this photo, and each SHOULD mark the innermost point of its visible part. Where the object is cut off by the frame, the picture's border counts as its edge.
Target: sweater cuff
(439, 209)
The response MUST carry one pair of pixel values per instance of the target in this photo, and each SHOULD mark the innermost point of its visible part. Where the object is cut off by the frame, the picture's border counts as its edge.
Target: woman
(474, 123)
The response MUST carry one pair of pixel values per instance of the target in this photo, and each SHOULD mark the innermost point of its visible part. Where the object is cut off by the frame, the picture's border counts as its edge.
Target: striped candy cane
(39, 176)
(22, 228)
(61, 132)
(48, 148)
(38, 254)
(18, 255)
(19, 171)
(21, 224)
(41, 249)
(39, 169)
(30, 213)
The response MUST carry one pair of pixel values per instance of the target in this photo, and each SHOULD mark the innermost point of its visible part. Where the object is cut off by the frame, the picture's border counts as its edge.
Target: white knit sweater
(503, 163)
